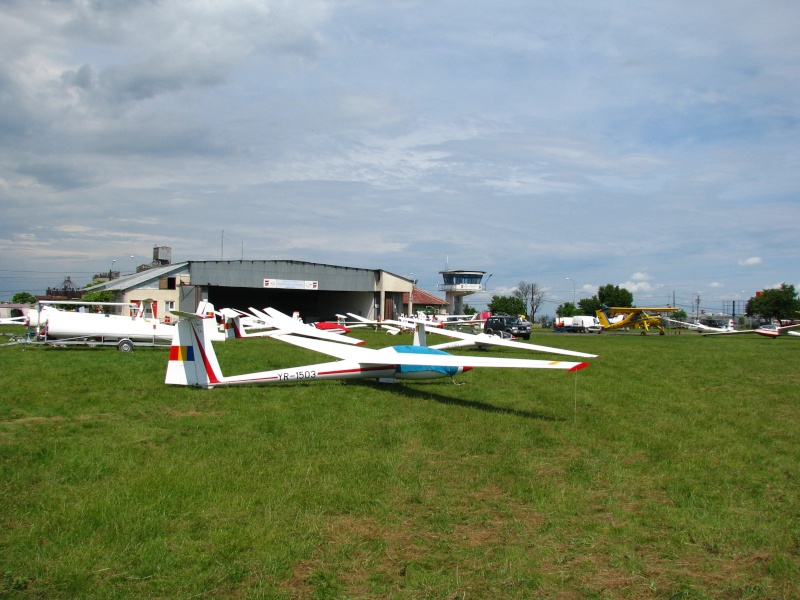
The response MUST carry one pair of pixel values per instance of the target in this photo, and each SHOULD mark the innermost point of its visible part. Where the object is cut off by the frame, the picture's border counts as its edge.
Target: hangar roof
(290, 274)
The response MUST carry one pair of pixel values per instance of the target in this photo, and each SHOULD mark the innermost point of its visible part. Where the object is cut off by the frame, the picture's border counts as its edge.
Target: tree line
(526, 299)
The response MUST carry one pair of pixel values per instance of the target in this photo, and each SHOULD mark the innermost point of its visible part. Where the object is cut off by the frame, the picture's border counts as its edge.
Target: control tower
(458, 284)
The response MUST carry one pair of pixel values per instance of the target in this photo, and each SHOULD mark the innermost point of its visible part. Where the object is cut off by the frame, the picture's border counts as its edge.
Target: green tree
(567, 309)
(469, 310)
(777, 303)
(23, 298)
(607, 295)
(506, 305)
(613, 295)
(588, 306)
(98, 296)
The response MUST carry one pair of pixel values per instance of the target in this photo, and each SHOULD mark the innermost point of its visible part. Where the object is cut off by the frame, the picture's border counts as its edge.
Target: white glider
(193, 362)
(287, 324)
(482, 340)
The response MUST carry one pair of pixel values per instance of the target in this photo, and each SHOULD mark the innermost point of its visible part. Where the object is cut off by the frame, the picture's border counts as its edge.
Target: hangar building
(318, 291)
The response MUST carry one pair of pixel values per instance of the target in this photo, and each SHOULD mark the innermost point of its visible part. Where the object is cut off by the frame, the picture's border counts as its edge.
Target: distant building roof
(134, 280)
(425, 298)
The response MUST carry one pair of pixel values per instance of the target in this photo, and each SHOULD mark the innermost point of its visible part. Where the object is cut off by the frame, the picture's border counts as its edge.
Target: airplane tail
(419, 335)
(192, 360)
(205, 309)
(233, 328)
(603, 318)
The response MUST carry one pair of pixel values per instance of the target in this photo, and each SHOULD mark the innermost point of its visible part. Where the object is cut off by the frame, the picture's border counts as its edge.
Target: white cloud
(395, 134)
(750, 262)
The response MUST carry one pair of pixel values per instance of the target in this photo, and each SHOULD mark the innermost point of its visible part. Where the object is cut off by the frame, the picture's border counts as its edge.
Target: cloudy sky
(652, 145)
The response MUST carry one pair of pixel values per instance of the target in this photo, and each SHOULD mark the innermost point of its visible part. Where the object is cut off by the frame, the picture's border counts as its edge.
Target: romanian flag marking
(184, 353)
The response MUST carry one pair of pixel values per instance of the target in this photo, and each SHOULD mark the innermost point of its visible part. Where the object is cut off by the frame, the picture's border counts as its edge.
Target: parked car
(508, 324)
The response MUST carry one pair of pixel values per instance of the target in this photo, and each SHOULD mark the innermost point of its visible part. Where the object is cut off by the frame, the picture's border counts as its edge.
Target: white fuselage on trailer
(62, 324)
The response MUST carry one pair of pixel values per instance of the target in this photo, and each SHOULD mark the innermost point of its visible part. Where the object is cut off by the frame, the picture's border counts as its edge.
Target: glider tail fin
(419, 335)
(192, 360)
(233, 328)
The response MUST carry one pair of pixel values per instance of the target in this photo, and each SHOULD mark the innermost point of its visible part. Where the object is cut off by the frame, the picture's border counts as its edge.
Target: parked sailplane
(193, 362)
(285, 323)
(55, 324)
(700, 327)
(482, 340)
(359, 321)
(770, 331)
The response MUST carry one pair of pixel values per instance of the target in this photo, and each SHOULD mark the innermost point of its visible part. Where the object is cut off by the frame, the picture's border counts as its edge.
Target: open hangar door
(313, 305)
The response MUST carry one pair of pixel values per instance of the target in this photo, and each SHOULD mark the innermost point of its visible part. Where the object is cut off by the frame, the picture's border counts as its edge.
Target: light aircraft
(706, 328)
(193, 362)
(635, 318)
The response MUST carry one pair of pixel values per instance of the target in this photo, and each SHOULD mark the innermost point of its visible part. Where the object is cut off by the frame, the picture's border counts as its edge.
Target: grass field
(670, 468)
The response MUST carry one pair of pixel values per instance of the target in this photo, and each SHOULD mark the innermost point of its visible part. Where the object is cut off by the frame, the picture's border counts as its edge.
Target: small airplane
(702, 328)
(635, 318)
(193, 362)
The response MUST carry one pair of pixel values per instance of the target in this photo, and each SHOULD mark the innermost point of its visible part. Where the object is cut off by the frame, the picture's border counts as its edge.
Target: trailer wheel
(125, 346)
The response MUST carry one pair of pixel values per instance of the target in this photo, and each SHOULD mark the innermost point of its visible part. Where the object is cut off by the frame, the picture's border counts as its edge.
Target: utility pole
(697, 304)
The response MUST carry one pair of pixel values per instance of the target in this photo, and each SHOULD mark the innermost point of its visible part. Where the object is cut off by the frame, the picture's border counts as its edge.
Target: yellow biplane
(633, 318)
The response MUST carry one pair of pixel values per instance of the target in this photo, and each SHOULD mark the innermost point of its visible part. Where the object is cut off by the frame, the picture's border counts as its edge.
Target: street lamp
(573, 289)
(133, 262)
(111, 269)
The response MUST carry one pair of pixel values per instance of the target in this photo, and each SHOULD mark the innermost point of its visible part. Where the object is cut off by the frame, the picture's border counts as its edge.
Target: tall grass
(668, 469)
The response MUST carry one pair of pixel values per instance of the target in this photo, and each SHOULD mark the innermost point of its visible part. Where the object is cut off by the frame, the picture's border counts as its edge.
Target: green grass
(668, 469)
